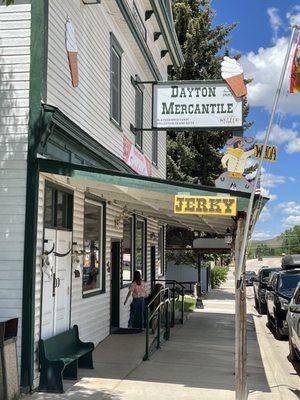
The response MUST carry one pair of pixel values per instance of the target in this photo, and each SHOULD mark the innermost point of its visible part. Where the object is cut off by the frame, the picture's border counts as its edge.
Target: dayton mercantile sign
(196, 105)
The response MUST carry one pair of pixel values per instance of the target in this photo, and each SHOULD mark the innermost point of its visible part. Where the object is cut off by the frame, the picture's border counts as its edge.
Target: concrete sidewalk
(197, 362)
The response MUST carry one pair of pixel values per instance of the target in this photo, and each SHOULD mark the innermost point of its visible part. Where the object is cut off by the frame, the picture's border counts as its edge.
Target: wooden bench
(60, 357)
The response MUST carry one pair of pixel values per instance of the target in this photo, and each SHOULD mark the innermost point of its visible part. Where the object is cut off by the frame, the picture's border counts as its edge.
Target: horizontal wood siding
(88, 105)
(14, 109)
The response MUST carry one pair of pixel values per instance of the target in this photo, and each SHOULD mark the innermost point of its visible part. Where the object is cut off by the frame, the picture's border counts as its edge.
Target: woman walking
(138, 291)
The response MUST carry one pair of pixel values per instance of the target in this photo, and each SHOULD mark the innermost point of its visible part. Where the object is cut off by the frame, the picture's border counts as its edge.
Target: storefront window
(140, 248)
(92, 278)
(161, 252)
(127, 253)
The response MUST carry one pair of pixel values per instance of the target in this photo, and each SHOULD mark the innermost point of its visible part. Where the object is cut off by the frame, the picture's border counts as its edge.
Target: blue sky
(261, 36)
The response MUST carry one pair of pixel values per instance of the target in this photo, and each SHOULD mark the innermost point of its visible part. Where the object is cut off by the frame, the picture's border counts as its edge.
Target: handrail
(164, 301)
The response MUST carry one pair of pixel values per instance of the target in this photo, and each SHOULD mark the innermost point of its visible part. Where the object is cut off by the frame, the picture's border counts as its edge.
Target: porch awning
(152, 197)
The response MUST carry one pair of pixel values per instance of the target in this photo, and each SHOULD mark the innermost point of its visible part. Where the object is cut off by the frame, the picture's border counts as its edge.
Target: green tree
(196, 156)
(8, 2)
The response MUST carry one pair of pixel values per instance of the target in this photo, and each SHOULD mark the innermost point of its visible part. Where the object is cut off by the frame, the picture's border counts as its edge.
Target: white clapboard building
(83, 197)
(70, 95)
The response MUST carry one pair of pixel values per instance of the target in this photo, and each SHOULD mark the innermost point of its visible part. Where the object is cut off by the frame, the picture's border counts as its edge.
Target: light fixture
(89, 2)
(228, 236)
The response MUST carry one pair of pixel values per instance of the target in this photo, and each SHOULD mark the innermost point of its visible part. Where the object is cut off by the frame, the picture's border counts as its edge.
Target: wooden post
(240, 319)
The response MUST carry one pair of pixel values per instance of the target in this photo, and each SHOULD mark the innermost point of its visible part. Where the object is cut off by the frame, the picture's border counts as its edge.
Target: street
(282, 375)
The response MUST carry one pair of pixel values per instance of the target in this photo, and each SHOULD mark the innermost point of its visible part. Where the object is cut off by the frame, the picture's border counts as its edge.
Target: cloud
(264, 68)
(280, 135)
(269, 180)
(291, 221)
(293, 16)
(262, 235)
(275, 22)
(265, 215)
(289, 207)
(266, 193)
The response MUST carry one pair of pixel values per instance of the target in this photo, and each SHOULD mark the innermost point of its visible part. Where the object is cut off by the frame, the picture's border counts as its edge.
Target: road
(282, 375)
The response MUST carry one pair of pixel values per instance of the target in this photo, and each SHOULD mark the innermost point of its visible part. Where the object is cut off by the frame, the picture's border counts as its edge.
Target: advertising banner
(196, 104)
(135, 159)
(270, 153)
(205, 205)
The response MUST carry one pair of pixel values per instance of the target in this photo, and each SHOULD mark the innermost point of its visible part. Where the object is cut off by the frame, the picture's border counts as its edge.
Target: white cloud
(294, 16)
(275, 21)
(264, 68)
(293, 146)
(278, 135)
(262, 235)
(266, 193)
(265, 215)
(291, 221)
(290, 207)
(269, 180)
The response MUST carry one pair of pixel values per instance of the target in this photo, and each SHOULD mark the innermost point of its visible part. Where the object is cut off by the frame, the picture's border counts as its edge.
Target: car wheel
(293, 355)
(278, 335)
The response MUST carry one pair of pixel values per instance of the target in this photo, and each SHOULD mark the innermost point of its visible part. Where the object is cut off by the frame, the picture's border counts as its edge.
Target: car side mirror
(295, 308)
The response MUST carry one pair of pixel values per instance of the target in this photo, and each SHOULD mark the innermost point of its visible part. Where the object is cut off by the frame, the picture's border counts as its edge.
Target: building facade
(75, 90)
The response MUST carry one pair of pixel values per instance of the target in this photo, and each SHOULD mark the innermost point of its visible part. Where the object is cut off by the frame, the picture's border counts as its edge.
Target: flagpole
(240, 290)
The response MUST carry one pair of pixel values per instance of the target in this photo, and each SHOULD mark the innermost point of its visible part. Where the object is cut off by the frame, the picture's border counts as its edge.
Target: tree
(8, 2)
(196, 156)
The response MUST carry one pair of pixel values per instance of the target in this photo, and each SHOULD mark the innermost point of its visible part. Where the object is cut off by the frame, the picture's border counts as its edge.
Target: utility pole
(242, 237)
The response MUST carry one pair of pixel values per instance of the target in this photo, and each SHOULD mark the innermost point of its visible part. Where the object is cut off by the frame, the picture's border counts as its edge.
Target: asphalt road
(282, 375)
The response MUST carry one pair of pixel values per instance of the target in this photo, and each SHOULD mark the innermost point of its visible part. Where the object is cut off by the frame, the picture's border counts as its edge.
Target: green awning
(152, 197)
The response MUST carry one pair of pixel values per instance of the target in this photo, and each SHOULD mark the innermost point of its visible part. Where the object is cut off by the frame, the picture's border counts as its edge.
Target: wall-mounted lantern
(228, 236)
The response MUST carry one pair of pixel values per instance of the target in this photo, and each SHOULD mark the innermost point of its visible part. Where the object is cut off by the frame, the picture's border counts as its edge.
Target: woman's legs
(137, 308)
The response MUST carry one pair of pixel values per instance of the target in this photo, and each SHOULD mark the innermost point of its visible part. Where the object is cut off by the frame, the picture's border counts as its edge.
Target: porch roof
(152, 197)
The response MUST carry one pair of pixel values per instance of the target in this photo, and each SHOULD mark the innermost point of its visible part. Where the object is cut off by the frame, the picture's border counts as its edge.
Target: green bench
(60, 357)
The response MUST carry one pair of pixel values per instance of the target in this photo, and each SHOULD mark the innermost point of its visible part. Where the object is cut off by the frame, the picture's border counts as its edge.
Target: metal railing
(157, 309)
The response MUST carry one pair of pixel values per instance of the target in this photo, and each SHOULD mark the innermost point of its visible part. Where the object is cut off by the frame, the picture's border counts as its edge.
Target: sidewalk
(197, 362)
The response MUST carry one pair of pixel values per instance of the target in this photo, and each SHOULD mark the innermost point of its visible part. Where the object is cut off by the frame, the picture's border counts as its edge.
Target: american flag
(258, 189)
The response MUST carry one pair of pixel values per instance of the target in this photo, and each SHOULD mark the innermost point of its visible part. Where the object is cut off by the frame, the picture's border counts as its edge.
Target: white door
(56, 287)
(63, 279)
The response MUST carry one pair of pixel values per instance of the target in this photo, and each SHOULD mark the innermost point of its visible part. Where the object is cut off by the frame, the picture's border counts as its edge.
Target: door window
(93, 260)
(58, 208)
(127, 251)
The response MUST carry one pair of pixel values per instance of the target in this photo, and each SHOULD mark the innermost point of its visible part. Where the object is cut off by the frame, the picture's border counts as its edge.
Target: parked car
(280, 290)
(250, 276)
(293, 321)
(260, 286)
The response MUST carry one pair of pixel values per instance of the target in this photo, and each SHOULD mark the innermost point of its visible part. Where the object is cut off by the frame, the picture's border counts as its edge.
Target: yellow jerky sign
(270, 153)
(205, 205)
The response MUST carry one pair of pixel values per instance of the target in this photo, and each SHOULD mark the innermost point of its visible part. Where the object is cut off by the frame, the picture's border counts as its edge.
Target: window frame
(115, 46)
(144, 250)
(138, 88)
(127, 283)
(162, 255)
(95, 200)
(155, 148)
(70, 205)
(139, 21)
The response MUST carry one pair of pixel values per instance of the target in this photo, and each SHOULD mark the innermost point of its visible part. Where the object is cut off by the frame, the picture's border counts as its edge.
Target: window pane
(139, 116)
(59, 209)
(140, 245)
(115, 86)
(154, 146)
(127, 250)
(49, 206)
(160, 255)
(92, 260)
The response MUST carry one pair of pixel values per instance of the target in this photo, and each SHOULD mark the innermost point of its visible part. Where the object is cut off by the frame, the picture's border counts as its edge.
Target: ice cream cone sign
(236, 158)
(72, 50)
(232, 72)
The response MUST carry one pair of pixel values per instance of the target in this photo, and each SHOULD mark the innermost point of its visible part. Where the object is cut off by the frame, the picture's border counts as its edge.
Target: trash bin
(9, 374)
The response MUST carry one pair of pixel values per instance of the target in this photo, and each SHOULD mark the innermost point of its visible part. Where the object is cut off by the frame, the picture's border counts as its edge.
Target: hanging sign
(195, 104)
(205, 205)
(270, 153)
(135, 159)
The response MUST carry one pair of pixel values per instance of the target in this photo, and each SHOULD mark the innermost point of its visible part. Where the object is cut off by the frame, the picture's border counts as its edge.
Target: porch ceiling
(150, 197)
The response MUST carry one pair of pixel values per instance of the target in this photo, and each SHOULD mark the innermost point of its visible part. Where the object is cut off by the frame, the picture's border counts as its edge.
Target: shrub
(218, 276)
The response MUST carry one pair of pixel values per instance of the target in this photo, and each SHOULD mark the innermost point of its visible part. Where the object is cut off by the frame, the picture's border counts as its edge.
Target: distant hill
(270, 247)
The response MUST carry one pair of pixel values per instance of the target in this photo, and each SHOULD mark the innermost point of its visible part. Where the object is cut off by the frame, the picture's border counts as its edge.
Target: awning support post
(240, 319)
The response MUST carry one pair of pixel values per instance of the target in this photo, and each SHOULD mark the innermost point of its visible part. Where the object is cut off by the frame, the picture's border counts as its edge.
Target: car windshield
(288, 283)
(265, 275)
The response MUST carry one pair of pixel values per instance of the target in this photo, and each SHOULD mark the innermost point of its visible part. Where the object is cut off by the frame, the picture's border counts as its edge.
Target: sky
(261, 36)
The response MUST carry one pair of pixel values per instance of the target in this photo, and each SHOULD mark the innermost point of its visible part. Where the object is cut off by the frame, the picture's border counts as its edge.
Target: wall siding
(88, 105)
(14, 110)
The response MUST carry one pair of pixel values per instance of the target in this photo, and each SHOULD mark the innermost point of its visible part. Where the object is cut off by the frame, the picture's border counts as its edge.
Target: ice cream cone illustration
(72, 50)
(233, 74)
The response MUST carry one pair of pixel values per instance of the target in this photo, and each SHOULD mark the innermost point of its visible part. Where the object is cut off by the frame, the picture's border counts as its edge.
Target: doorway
(115, 283)
(56, 296)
